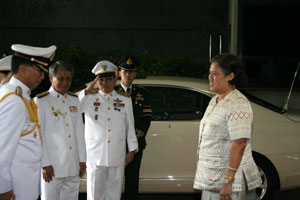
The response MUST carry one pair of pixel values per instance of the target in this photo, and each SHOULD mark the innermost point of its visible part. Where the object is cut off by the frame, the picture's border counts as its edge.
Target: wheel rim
(262, 189)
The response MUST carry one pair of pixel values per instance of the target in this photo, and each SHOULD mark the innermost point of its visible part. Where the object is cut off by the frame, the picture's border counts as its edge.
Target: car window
(176, 103)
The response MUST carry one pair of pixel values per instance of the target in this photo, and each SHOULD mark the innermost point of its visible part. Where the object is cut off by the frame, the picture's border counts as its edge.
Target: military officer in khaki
(142, 118)
(109, 126)
(21, 141)
(61, 122)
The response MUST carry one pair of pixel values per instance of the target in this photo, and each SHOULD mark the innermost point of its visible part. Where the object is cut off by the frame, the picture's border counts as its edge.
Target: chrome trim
(179, 87)
(166, 179)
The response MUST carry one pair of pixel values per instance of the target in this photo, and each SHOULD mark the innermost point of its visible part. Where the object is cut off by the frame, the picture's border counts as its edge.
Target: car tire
(269, 176)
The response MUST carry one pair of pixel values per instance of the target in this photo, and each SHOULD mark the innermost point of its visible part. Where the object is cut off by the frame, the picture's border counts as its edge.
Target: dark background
(170, 37)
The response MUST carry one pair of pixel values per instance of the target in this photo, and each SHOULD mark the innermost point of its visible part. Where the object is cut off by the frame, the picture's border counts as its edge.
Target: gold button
(108, 130)
(108, 141)
(108, 108)
(63, 101)
(104, 94)
(67, 124)
(108, 119)
(110, 94)
(57, 96)
(69, 136)
(65, 113)
(70, 147)
(108, 99)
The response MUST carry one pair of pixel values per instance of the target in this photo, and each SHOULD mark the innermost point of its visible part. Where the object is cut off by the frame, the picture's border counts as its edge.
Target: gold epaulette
(120, 92)
(72, 94)
(19, 91)
(93, 92)
(40, 95)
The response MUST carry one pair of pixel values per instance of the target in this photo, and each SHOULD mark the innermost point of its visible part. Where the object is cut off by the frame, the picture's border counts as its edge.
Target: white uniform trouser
(61, 188)
(104, 183)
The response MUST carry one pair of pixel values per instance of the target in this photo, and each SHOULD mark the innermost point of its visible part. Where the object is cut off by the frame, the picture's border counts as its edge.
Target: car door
(169, 159)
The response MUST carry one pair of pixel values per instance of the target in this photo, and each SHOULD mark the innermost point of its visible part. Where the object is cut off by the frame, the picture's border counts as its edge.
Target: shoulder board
(72, 94)
(120, 92)
(19, 91)
(93, 92)
(40, 95)
(118, 87)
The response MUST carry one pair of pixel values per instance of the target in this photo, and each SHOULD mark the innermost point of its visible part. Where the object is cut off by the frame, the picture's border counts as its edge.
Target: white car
(169, 160)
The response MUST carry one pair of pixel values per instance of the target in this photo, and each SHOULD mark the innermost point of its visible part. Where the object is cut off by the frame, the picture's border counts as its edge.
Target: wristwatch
(228, 179)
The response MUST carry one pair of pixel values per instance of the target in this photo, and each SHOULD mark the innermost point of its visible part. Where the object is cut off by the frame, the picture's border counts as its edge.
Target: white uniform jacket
(63, 134)
(20, 156)
(109, 123)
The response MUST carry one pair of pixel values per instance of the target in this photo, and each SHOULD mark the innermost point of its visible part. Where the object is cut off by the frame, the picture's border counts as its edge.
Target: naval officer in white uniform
(109, 124)
(21, 141)
(5, 69)
(61, 122)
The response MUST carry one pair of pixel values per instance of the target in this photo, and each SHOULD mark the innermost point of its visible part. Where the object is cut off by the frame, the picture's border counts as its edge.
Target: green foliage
(83, 63)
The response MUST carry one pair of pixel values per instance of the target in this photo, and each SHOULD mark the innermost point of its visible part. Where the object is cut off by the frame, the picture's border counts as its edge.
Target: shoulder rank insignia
(93, 92)
(72, 94)
(40, 95)
(120, 92)
(19, 91)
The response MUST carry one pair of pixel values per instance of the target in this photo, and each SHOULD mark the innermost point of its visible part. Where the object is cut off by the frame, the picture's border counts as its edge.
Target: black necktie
(128, 90)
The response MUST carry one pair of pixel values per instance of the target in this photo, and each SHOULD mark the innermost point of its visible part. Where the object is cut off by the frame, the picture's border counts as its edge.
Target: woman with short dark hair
(225, 166)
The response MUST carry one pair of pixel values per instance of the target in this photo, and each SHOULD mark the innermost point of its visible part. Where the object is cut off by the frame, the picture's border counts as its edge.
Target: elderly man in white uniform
(109, 123)
(61, 122)
(5, 69)
(21, 141)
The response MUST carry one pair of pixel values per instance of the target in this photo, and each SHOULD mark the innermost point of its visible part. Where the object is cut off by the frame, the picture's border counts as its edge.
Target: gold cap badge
(104, 67)
(129, 61)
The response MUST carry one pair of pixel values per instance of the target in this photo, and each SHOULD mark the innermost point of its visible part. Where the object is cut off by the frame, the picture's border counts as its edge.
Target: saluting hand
(90, 86)
(48, 172)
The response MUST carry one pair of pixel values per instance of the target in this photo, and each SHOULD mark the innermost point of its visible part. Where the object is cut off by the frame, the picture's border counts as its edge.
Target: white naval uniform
(109, 123)
(64, 146)
(20, 157)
